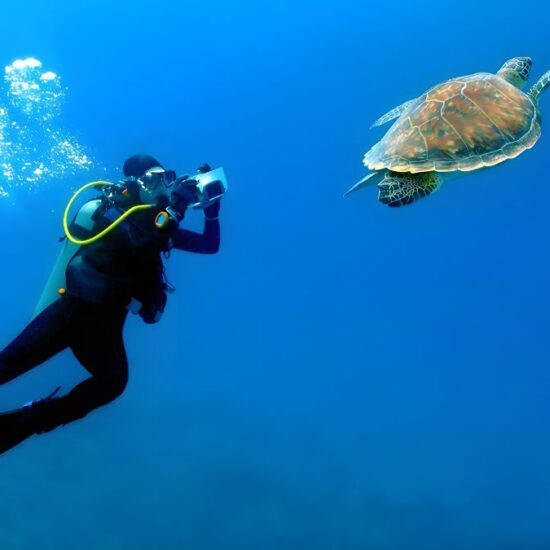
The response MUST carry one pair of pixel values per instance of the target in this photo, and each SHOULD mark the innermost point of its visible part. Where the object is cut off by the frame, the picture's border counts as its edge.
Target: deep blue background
(341, 375)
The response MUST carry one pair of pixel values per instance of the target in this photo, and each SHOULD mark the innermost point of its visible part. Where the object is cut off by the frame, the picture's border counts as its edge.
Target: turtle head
(516, 71)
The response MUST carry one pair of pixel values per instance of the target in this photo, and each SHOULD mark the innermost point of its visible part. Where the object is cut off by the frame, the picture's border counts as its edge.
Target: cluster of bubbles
(33, 146)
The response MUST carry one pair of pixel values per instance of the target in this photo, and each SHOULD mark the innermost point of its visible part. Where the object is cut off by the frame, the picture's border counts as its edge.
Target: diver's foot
(20, 424)
(15, 427)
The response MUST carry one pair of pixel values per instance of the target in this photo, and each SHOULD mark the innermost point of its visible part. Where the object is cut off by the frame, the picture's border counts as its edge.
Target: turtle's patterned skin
(464, 124)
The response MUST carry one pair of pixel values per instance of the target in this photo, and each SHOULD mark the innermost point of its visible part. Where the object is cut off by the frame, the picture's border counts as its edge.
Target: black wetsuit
(92, 328)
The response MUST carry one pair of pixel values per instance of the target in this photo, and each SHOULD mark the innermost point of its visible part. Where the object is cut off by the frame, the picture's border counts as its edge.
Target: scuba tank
(56, 284)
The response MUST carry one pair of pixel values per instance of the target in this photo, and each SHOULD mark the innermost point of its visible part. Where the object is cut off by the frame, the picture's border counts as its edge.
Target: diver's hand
(204, 168)
(183, 194)
(129, 187)
(212, 212)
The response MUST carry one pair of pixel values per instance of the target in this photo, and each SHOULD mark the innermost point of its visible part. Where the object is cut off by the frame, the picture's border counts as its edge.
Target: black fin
(14, 428)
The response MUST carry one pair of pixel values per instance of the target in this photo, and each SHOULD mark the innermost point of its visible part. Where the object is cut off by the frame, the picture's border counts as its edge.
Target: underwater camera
(211, 187)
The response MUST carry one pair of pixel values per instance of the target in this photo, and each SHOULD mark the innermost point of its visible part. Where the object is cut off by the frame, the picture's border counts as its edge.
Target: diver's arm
(207, 242)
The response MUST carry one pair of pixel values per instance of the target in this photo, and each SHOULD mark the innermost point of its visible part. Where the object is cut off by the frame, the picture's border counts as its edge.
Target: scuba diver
(111, 264)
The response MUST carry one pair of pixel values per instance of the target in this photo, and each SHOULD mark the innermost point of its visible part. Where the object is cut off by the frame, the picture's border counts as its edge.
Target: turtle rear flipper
(401, 189)
(362, 183)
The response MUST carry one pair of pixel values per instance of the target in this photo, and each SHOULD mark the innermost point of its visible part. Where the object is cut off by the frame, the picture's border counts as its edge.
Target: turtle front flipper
(540, 86)
(400, 189)
(394, 113)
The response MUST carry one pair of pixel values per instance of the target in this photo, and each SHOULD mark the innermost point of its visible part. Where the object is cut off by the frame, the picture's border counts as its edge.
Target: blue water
(341, 375)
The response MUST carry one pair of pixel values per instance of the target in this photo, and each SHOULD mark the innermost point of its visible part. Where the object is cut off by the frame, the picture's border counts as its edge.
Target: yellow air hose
(107, 229)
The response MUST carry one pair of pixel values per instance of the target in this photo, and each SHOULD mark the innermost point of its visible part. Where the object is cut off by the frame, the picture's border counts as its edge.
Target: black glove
(204, 168)
(183, 194)
(129, 187)
(213, 211)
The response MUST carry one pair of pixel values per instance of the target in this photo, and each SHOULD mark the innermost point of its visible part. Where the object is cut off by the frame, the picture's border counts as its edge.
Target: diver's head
(153, 179)
(137, 165)
(156, 181)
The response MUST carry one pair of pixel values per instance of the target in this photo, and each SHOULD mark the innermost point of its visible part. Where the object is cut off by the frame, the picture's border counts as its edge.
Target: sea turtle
(464, 124)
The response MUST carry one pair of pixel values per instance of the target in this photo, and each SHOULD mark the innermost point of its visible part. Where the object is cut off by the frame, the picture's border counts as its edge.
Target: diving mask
(158, 177)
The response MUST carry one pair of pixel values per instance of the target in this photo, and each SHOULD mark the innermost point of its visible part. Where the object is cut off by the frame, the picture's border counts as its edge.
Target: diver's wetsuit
(93, 331)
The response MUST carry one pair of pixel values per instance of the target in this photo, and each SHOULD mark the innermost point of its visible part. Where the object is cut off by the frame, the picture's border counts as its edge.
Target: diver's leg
(45, 336)
(97, 344)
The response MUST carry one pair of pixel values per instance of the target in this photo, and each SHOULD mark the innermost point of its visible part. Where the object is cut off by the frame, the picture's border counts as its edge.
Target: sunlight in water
(34, 147)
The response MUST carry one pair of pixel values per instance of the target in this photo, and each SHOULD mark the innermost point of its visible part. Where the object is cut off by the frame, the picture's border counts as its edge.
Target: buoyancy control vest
(122, 268)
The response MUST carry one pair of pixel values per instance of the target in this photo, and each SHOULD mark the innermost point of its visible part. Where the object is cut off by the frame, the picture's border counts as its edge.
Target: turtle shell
(463, 124)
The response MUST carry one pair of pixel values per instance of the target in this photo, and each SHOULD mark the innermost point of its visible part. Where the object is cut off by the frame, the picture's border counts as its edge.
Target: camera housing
(211, 187)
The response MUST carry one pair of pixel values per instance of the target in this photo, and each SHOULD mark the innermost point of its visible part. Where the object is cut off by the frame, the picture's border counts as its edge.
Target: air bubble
(34, 147)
